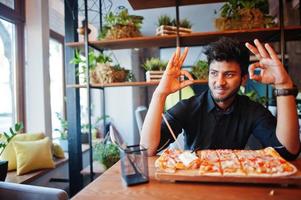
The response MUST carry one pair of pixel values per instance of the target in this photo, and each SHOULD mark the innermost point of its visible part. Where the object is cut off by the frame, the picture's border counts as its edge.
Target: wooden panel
(110, 186)
(195, 39)
(128, 84)
(147, 4)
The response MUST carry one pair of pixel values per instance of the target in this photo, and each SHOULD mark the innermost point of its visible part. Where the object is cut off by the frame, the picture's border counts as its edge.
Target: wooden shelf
(147, 4)
(195, 39)
(128, 84)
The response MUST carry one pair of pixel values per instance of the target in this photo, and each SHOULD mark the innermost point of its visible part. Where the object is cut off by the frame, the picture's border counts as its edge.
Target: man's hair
(227, 49)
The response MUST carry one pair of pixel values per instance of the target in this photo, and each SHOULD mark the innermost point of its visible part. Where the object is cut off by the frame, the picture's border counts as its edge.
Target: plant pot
(122, 31)
(154, 75)
(3, 169)
(104, 73)
(171, 30)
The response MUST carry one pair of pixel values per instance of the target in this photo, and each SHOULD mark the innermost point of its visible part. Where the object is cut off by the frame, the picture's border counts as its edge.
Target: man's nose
(220, 80)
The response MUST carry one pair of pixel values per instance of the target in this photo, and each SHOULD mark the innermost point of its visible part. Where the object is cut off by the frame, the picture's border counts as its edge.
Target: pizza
(226, 162)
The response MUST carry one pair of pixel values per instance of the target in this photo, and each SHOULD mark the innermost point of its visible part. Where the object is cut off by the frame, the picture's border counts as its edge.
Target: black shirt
(207, 127)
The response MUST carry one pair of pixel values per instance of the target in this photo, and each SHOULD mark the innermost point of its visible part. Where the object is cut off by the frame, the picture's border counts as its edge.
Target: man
(219, 117)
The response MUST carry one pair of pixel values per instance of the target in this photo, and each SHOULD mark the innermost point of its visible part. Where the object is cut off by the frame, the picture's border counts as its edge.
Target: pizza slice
(210, 163)
(230, 164)
(274, 163)
(264, 163)
(173, 159)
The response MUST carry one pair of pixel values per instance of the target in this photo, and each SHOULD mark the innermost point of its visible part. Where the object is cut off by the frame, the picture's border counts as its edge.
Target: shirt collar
(212, 106)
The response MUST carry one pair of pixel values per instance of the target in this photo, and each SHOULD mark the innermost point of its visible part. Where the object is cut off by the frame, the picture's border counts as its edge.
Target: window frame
(17, 17)
(60, 38)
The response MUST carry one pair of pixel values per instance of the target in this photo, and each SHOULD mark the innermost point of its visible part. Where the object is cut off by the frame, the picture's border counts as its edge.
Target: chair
(25, 192)
(140, 113)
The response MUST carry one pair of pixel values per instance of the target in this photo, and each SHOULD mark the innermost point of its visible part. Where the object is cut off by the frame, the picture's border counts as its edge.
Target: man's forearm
(287, 130)
(150, 134)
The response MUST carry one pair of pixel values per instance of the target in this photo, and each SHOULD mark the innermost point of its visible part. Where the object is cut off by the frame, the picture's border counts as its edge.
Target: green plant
(9, 136)
(121, 18)
(93, 60)
(164, 20)
(184, 23)
(167, 21)
(200, 70)
(232, 7)
(63, 130)
(244, 14)
(106, 153)
(154, 64)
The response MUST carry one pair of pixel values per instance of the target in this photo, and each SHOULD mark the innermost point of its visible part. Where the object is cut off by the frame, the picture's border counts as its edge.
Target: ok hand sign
(170, 81)
(272, 70)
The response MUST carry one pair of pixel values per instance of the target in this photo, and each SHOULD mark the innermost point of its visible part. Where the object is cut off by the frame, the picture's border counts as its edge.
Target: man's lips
(220, 91)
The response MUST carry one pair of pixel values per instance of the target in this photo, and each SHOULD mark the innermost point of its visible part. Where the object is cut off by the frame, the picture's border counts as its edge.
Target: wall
(37, 81)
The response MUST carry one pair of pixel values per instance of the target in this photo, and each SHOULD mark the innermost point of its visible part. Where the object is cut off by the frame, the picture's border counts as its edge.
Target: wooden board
(192, 175)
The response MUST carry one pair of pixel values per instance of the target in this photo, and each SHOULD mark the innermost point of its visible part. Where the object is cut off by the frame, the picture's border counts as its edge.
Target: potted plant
(121, 25)
(201, 70)
(244, 14)
(106, 153)
(4, 140)
(101, 69)
(168, 26)
(154, 68)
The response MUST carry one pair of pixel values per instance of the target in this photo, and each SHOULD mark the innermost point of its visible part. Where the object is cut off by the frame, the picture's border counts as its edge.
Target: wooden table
(110, 186)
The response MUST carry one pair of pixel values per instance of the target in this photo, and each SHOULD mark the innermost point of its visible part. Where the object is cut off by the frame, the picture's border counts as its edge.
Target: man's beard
(232, 94)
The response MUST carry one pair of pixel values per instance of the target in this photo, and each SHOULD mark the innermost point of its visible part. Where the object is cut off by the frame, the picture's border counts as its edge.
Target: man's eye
(213, 73)
(229, 75)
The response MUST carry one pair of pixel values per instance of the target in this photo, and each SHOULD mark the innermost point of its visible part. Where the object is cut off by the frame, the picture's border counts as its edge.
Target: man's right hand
(170, 81)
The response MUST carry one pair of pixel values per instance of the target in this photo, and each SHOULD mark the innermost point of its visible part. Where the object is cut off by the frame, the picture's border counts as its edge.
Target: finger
(178, 53)
(271, 51)
(253, 67)
(261, 49)
(171, 61)
(253, 50)
(187, 74)
(186, 83)
(256, 78)
(183, 57)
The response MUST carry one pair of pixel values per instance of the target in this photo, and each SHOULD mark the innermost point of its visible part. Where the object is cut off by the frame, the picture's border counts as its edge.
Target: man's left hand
(272, 70)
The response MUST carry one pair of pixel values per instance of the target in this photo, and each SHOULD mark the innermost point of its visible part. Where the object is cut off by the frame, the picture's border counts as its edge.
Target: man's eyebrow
(230, 72)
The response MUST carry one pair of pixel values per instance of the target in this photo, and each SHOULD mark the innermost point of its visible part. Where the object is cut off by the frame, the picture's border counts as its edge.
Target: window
(56, 70)
(12, 21)
(7, 75)
(9, 3)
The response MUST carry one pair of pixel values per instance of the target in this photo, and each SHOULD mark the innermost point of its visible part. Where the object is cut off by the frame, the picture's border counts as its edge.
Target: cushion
(9, 152)
(33, 155)
(58, 150)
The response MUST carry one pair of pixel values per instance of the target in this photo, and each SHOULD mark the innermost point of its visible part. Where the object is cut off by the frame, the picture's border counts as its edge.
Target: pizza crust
(230, 163)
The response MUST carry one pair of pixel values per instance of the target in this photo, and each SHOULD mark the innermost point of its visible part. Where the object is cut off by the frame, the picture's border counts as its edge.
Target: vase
(3, 169)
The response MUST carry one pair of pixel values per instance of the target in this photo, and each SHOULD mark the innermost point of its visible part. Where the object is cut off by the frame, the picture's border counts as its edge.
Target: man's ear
(244, 79)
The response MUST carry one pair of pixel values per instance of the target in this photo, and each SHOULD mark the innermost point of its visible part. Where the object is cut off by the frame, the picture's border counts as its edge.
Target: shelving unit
(195, 39)
(127, 84)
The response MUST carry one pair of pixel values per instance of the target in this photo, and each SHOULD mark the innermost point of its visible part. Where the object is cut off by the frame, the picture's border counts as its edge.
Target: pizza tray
(194, 176)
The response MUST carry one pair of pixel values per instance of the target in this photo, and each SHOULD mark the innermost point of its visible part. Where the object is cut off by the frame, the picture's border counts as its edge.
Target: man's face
(224, 80)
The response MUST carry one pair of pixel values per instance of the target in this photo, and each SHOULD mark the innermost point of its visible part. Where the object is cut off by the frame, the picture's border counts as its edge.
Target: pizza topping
(187, 158)
(226, 162)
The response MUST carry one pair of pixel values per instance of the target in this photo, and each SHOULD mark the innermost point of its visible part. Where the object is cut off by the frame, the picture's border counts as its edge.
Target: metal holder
(134, 166)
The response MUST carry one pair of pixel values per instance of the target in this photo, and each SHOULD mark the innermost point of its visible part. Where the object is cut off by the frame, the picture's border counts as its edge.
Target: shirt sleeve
(265, 131)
